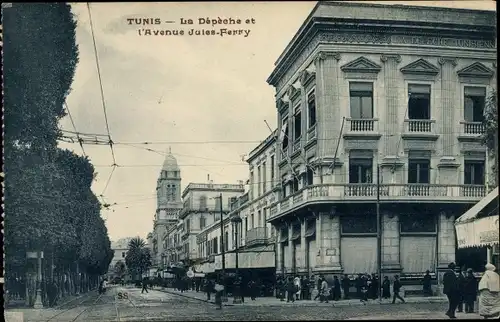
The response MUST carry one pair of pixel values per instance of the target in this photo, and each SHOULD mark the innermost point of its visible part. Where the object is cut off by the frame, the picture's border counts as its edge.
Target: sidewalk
(273, 301)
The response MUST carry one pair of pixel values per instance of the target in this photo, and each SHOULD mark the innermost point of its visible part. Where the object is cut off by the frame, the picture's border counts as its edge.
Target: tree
(138, 258)
(120, 269)
(490, 136)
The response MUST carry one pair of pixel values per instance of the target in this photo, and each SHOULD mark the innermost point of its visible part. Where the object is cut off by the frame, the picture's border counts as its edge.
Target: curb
(311, 304)
(192, 297)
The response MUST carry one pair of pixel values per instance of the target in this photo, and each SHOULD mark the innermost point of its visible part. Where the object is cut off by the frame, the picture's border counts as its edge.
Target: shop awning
(311, 230)
(284, 238)
(472, 213)
(296, 234)
(478, 233)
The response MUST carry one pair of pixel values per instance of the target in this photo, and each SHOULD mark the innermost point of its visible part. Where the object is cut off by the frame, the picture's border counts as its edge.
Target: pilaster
(278, 249)
(328, 110)
(448, 105)
(328, 243)
(290, 250)
(301, 267)
(446, 245)
(391, 262)
(392, 105)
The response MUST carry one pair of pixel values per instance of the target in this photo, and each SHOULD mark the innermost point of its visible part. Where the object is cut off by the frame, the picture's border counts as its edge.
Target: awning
(284, 238)
(472, 213)
(311, 230)
(482, 232)
(296, 234)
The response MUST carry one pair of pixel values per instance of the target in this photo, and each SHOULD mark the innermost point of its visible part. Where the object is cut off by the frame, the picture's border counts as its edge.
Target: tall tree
(490, 137)
(138, 258)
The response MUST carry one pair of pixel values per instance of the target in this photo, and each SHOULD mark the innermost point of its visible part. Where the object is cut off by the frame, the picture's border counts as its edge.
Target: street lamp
(236, 220)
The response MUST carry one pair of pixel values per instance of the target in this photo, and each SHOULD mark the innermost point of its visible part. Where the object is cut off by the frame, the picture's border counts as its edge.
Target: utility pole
(223, 246)
(379, 237)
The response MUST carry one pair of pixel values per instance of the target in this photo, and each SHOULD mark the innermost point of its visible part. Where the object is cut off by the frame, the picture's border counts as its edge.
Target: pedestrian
(252, 287)
(282, 288)
(386, 288)
(219, 289)
(304, 287)
(296, 282)
(208, 288)
(359, 282)
(337, 293)
(364, 285)
(470, 291)
(461, 291)
(290, 290)
(375, 287)
(426, 283)
(324, 291)
(396, 288)
(346, 284)
(450, 288)
(318, 287)
(489, 293)
(144, 285)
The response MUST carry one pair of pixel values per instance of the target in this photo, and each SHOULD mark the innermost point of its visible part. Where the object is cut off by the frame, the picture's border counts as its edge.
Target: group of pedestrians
(462, 289)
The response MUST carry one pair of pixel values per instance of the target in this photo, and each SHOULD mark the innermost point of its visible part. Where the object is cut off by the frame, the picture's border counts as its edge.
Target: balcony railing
(311, 133)
(472, 128)
(419, 126)
(362, 125)
(388, 192)
(296, 145)
(257, 235)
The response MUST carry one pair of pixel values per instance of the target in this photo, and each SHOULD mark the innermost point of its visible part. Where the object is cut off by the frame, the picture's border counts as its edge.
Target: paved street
(158, 305)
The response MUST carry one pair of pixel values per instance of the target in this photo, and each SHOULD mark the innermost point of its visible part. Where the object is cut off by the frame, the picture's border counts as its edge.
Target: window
(259, 218)
(361, 167)
(474, 172)
(232, 200)
(217, 203)
(295, 184)
(297, 125)
(419, 102)
(264, 212)
(474, 102)
(226, 241)
(361, 100)
(264, 177)
(188, 225)
(251, 184)
(259, 181)
(272, 171)
(203, 202)
(203, 222)
(215, 245)
(311, 109)
(246, 223)
(251, 221)
(284, 133)
(124, 254)
(309, 176)
(419, 165)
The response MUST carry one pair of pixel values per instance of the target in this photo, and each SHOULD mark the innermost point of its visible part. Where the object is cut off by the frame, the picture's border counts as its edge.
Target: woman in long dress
(489, 293)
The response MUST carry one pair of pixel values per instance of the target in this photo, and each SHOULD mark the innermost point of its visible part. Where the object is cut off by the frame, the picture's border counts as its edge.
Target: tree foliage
(120, 269)
(491, 130)
(48, 198)
(138, 258)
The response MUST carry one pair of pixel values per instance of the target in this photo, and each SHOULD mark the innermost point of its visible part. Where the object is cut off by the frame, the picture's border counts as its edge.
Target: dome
(170, 163)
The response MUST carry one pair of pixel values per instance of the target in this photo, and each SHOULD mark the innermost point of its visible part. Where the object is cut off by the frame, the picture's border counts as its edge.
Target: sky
(188, 93)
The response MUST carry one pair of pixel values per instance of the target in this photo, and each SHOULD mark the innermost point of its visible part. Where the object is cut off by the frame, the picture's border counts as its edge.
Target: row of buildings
(367, 96)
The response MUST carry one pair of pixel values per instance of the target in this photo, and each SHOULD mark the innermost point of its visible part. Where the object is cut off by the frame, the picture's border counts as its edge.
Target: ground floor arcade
(342, 239)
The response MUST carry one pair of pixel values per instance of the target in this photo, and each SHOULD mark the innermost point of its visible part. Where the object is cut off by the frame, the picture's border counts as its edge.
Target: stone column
(328, 103)
(389, 119)
(391, 262)
(303, 247)
(279, 264)
(448, 106)
(290, 249)
(445, 244)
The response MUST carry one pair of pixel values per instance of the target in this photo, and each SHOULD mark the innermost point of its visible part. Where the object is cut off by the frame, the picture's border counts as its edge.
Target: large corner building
(371, 93)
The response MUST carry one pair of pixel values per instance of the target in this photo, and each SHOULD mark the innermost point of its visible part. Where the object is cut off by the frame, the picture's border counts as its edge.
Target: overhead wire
(74, 127)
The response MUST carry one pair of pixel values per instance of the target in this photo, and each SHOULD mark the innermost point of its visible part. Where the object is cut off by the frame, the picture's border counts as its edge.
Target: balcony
(255, 236)
(311, 133)
(296, 145)
(388, 193)
(361, 128)
(420, 129)
(470, 130)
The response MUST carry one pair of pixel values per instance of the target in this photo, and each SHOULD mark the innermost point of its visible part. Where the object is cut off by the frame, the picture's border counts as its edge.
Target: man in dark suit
(451, 289)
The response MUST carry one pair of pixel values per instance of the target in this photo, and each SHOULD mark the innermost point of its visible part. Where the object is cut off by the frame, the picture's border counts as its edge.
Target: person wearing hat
(451, 289)
(489, 293)
(396, 288)
(470, 291)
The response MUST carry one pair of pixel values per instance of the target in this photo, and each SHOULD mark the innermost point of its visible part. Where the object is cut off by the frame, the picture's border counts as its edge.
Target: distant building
(201, 208)
(371, 93)
(169, 204)
(120, 248)
(256, 237)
